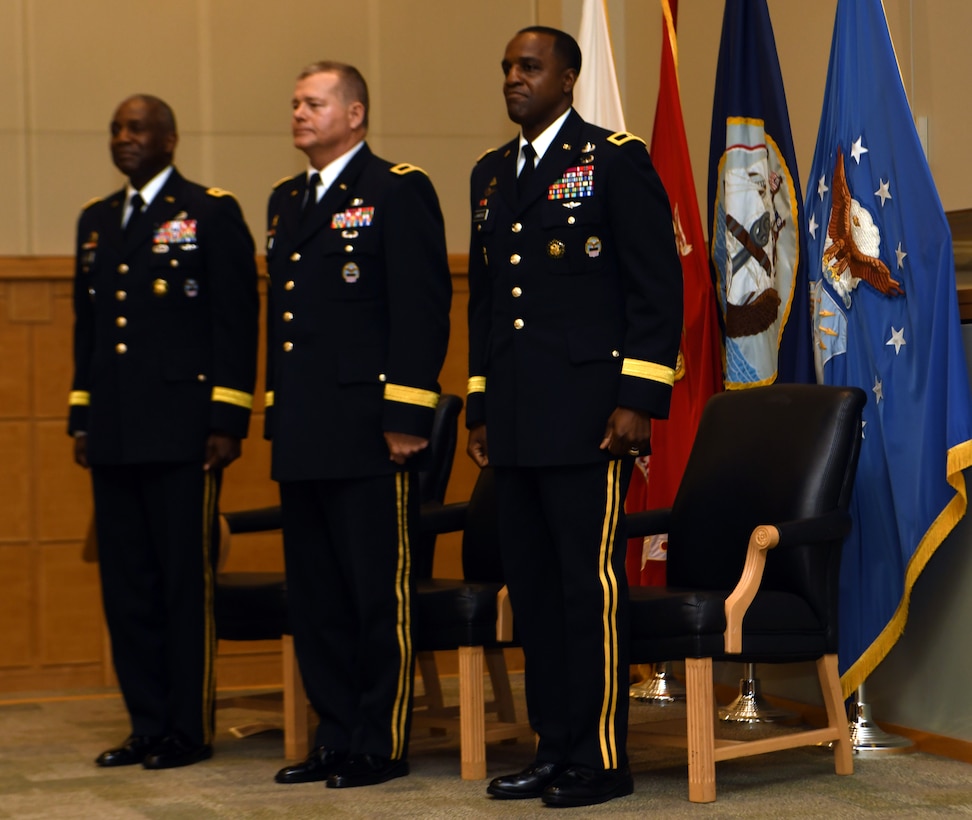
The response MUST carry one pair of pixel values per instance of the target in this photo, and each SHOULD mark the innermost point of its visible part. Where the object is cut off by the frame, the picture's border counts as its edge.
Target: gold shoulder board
(91, 202)
(405, 168)
(218, 192)
(621, 137)
(485, 154)
(281, 181)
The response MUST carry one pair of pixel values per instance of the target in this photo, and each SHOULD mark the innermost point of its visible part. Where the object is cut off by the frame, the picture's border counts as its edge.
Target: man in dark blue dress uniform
(575, 312)
(358, 322)
(166, 305)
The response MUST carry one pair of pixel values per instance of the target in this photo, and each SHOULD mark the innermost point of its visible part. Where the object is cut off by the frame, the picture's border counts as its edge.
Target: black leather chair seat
(451, 613)
(673, 623)
(251, 606)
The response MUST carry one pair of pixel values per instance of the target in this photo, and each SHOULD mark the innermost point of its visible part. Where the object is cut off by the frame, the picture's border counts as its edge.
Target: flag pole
(760, 271)
(750, 706)
(659, 688)
(867, 737)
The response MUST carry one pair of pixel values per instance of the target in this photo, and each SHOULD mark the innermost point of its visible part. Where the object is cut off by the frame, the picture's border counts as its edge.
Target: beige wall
(227, 67)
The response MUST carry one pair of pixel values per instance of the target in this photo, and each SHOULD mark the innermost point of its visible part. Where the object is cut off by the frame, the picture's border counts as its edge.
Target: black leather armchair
(471, 615)
(755, 536)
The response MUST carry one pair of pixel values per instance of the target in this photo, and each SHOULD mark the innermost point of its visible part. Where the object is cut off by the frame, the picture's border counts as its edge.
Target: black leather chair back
(434, 479)
(481, 561)
(763, 455)
(442, 449)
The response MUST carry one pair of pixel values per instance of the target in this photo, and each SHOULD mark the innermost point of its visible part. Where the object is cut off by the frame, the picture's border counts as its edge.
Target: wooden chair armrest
(818, 529)
(504, 616)
(763, 538)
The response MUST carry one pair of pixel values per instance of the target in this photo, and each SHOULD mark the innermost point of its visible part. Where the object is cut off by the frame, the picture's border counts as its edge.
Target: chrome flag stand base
(869, 738)
(660, 687)
(750, 707)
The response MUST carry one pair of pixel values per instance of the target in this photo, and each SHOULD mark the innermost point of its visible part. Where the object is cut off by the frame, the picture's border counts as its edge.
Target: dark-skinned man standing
(358, 322)
(166, 306)
(574, 317)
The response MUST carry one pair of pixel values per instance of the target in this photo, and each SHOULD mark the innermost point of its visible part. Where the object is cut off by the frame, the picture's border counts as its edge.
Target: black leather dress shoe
(132, 751)
(366, 770)
(580, 786)
(320, 764)
(175, 751)
(529, 783)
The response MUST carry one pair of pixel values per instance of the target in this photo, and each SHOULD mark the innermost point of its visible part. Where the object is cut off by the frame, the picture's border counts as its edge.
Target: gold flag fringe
(959, 458)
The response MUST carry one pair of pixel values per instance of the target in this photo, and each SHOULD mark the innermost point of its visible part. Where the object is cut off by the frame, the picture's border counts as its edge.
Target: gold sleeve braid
(235, 397)
(640, 369)
(411, 395)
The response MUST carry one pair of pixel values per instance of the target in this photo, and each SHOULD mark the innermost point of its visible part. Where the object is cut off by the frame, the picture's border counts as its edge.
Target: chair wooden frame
(814, 520)
(470, 716)
(704, 749)
(296, 722)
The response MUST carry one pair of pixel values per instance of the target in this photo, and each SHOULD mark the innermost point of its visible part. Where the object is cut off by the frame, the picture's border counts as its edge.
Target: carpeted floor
(48, 744)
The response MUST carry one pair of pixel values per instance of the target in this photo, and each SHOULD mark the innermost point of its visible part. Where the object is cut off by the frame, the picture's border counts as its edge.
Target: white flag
(596, 95)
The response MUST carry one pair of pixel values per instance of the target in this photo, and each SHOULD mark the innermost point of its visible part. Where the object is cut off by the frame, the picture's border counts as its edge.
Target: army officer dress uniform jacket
(575, 309)
(358, 322)
(166, 321)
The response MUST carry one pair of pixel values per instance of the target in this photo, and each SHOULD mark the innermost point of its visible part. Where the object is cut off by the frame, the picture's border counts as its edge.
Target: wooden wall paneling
(15, 369)
(68, 607)
(15, 463)
(49, 595)
(16, 610)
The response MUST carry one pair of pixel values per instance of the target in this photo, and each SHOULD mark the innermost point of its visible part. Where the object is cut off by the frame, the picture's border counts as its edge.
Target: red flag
(699, 371)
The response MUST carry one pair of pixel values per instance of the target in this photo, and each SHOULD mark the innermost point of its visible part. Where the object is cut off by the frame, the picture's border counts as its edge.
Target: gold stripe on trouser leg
(609, 586)
(403, 591)
(210, 489)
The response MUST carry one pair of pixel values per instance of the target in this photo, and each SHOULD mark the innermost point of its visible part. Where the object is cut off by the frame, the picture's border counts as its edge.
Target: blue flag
(885, 318)
(757, 237)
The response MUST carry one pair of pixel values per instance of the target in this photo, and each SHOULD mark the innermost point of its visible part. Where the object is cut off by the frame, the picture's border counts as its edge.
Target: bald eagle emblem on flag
(853, 244)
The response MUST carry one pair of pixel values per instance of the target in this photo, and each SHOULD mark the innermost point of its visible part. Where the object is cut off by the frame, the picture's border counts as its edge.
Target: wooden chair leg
(500, 679)
(472, 713)
(429, 670)
(700, 710)
(833, 697)
(296, 724)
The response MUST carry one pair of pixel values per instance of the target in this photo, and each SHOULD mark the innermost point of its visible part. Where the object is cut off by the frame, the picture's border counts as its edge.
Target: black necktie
(310, 194)
(137, 204)
(526, 172)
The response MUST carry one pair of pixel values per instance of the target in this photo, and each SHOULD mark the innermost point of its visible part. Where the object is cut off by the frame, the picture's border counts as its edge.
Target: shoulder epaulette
(405, 168)
(485, 154)
(621, 137)
(91, 202)
(218, 192)
(281, 181)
